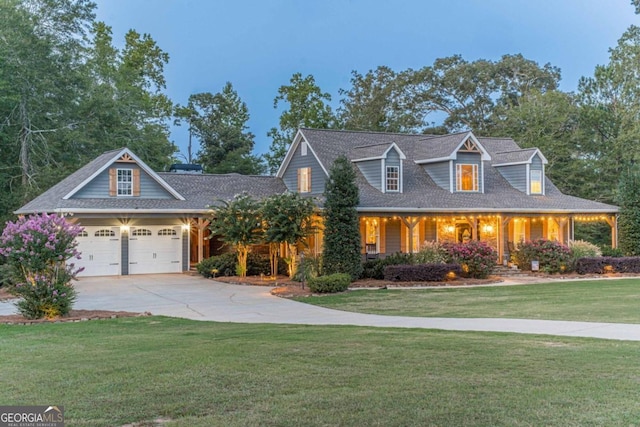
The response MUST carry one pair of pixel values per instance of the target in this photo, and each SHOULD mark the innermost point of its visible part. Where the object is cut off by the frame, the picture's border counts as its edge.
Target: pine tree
(629, 220)
(341, 225)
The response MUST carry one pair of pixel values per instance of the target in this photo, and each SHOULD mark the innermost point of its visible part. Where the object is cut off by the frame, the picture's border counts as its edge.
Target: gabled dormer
(301, 169)
(381, 165)
(121, 174)
(454, 162)
(523, 169)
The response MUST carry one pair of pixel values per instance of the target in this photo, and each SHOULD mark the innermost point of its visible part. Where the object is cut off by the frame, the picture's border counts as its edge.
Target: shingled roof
(198, 190)
(422, 195)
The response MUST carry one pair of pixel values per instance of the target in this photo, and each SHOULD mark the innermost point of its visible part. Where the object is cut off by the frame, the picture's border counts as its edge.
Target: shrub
(45, 296)
(258, 264)
(612, 252)
(477, 259)
(219, 265)
(374, 269)
(309, 266)
(226, 265)
(431, 252)
(332, 283)
(420, 272)
(553, 257)
(600, 265)
(37, 250)
(582, 249)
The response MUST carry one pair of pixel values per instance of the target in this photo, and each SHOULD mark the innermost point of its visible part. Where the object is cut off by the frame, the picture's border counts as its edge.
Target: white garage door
(155, 249)
(100, 251)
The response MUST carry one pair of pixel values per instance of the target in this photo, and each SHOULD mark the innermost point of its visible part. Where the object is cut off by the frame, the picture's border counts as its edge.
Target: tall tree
(550, 121)
(610, 107)
(342, 250)
(307, 107)
(124, 103)
(468, 92)
(41, 51)
(380, 101)
(629, 221)
(219, 122)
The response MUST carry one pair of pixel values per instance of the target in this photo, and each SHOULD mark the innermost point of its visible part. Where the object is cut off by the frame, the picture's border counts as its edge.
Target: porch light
(186, 227)
(124, 228)
(487, 228)
(450, 228)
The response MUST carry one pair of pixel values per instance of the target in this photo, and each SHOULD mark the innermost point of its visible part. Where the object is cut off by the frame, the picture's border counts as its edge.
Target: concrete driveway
(193, 297)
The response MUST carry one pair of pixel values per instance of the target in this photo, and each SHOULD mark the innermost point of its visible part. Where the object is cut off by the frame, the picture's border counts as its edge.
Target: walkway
(196, 298)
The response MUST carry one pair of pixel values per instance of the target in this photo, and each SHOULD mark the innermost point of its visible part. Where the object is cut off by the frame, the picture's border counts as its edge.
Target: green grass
(112, 372)
(615, 301)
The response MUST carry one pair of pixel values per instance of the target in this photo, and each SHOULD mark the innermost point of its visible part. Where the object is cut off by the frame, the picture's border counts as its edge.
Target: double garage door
(151, 249)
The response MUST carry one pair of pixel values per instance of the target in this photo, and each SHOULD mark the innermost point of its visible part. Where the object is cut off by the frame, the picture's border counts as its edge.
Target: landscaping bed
(74, 316)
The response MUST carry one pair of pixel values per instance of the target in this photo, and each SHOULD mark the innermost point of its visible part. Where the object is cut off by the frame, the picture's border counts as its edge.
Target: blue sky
(257, 45)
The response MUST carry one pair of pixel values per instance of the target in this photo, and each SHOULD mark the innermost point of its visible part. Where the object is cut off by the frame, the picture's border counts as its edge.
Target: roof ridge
(230, 174)
(365, 131)
(515, 151)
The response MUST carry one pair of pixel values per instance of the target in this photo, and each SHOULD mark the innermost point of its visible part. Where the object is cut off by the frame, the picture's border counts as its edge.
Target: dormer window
(536, 182)
(466, 177)
(125, 182)
(393, 178)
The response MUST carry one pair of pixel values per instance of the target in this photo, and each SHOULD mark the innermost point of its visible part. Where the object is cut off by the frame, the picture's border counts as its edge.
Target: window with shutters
(304, 180)
(125, 182)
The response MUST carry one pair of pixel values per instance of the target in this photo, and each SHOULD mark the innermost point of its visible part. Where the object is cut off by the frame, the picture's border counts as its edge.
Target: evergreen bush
(338, 282)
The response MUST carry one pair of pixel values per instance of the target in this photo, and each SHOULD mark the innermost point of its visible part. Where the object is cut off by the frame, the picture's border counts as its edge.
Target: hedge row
(607, 264)
(420, 272)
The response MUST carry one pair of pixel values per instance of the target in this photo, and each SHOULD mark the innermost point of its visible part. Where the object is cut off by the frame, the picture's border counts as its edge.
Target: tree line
(68, 94)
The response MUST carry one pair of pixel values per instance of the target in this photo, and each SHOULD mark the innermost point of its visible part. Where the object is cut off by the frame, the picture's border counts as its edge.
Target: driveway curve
(196, 298)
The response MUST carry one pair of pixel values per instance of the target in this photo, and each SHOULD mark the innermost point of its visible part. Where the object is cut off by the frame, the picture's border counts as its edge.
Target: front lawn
(596, 301)
(113, 372)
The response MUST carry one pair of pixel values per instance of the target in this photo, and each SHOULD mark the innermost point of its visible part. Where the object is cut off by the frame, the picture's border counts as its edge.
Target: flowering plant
(553, 257)
(37, 249)
(476, 258)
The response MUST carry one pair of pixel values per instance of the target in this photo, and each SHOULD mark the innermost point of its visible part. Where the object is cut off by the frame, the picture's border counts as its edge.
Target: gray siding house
(413, 188)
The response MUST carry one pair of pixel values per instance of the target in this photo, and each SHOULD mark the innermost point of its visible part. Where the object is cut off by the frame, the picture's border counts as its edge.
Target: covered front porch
(386, 234)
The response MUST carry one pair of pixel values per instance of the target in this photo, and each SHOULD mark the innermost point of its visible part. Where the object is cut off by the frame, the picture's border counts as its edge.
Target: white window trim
(386, 179)
(118, 182)
(531, 181)
(475, 178)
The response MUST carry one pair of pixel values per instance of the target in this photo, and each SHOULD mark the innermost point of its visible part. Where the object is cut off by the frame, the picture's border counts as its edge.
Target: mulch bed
(284, 287)
(74, 316)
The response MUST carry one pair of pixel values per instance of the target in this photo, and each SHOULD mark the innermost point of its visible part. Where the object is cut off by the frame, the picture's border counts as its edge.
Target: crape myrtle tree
(342, 229)
(38, 249)
(287, 218)
(239, 224)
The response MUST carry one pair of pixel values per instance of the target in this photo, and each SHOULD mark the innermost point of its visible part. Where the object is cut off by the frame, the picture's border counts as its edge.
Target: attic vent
(469, 147)
(126, 158)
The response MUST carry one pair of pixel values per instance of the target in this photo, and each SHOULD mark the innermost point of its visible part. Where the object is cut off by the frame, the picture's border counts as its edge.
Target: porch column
(201, 224)
(562, 223)
(503, 224)
(410, 223)
(613, 223)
